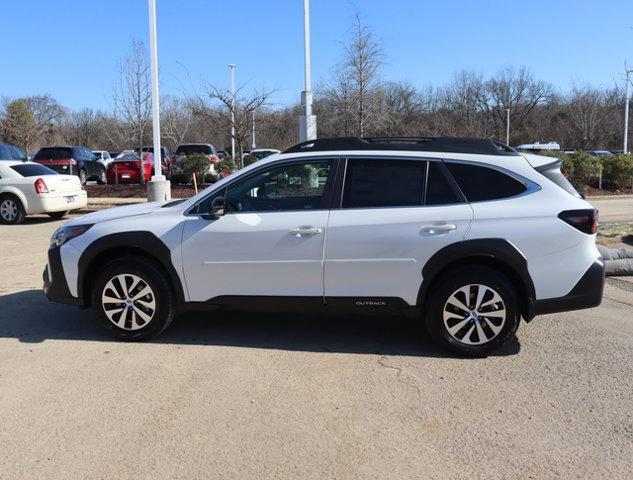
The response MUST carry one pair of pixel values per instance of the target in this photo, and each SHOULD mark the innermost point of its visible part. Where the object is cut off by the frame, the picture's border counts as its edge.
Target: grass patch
(613, 233)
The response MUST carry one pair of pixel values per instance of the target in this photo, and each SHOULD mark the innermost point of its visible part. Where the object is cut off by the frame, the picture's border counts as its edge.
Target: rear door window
(479, 183)
(372, 182)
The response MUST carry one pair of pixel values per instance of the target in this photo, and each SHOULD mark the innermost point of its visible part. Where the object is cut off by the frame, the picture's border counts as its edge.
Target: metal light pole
(508, 126)
(626, 111)
(158, 188)
(232, 68)
(307, 122)
(253, 141)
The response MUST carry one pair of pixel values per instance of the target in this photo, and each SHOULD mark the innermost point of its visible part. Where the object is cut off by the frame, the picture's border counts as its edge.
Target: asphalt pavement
(240, 396)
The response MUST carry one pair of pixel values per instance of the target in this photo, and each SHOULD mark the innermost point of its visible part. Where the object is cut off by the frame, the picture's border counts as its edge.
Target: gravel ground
(301, 397)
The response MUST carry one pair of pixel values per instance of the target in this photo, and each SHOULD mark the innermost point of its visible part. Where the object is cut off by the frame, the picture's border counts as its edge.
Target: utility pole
(626, 109)
(508, 126)
(232, 68)
(307, 122)
(158, 188)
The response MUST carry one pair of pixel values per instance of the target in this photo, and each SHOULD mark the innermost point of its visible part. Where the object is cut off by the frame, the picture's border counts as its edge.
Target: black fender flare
(495, 251)
(121, 244)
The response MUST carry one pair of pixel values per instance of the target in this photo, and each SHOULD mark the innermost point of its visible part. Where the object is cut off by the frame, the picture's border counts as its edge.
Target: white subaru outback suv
(467, 233)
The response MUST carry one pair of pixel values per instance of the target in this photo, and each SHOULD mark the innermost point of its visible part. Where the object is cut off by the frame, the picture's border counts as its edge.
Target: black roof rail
(480, 146)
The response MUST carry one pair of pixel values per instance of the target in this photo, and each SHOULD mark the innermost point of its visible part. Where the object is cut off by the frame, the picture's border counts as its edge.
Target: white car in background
(27, 188)
(103, 157)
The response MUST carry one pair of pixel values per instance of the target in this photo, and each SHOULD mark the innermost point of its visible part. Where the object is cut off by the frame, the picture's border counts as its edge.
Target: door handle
(438, 228)
(305, 231)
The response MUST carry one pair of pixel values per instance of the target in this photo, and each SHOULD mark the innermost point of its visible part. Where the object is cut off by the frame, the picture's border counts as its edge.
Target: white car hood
(117, 212)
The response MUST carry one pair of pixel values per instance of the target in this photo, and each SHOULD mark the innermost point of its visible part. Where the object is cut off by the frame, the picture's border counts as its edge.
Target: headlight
(63, 234)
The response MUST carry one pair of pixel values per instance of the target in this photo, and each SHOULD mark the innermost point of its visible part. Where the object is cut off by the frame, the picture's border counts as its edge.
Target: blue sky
(70, 48)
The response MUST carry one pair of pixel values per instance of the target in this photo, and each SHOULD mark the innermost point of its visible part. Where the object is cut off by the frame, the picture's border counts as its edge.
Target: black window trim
(338, 194)
(329, 195)
(530, 186)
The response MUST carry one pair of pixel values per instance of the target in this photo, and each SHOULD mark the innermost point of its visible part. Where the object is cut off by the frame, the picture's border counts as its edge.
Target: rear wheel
(83, 176)
(473, 311)
(57, 215)
(11, 210)
(133, 298)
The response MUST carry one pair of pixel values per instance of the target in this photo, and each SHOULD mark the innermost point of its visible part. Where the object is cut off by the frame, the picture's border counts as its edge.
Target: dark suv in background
(72, 160)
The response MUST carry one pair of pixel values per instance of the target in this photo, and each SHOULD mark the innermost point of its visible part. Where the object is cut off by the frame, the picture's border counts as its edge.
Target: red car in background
(126, 168)
(168, 159)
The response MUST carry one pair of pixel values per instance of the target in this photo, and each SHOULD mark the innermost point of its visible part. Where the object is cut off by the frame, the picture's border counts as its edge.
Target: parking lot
(249, 396)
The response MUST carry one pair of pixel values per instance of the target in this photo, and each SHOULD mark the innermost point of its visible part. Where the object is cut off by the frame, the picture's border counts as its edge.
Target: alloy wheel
(8, 210)
(474, 314)
(128, 301)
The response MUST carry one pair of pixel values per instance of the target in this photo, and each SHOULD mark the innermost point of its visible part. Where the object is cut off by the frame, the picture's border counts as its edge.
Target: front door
(270, 240)
(394, 215)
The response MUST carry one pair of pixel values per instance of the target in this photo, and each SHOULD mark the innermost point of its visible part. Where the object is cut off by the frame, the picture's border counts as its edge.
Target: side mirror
(218, 208)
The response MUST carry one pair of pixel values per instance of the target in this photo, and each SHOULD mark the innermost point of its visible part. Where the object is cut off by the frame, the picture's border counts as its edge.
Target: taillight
(584, 220)
(40, 186)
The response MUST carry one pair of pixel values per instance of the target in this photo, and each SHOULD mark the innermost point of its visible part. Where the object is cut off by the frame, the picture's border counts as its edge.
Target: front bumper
(587, 293)
(55, 286)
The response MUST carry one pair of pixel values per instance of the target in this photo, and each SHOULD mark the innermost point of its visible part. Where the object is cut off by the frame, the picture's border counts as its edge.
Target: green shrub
(585, 168)
(249, 159)
(225, 167)
(188, 165)
(618, 170)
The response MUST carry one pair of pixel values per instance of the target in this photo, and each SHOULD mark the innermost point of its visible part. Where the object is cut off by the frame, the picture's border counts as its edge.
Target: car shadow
(29, 317)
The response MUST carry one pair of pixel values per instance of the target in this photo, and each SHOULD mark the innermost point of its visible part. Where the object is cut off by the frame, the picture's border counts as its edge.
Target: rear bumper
(55, 286)
(587, 293)
(57, 202)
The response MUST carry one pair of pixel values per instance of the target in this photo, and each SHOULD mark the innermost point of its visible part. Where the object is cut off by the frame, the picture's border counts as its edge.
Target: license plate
(71, 199)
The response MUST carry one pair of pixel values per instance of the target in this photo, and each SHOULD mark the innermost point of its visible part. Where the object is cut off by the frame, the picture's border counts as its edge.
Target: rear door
(394, 214)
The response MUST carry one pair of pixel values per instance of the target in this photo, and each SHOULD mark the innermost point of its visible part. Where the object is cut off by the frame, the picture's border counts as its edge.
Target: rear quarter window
(480, 184)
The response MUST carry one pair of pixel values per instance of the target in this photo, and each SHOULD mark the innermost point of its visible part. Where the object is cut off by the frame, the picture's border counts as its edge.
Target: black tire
(161, 292)
(83, 176)
(475, 276)
(102, 178)
(11, 210)
(57, 215)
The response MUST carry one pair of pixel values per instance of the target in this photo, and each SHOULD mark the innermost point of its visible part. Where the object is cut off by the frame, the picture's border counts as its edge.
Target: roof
(479, 146)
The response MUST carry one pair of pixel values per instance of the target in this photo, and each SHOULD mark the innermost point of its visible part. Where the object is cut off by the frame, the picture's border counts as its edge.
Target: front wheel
(473, 311)
(133, 298)
(83, 177)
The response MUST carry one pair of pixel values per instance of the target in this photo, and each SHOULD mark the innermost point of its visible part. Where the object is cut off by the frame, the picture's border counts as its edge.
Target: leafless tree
(131, 99)
(85, 127)
(175, 119)
(217, 104)
(357, 79)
